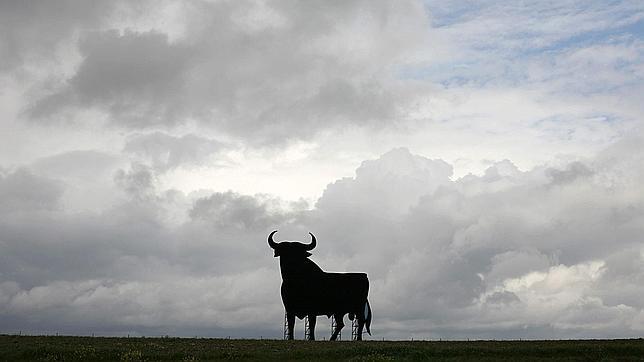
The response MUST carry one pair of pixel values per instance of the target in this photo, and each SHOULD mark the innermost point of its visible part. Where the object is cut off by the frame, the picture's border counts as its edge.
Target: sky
(480, 160)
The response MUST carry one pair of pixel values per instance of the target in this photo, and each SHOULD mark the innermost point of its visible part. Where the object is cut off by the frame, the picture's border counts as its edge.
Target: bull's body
(308, 291)
(328, 294)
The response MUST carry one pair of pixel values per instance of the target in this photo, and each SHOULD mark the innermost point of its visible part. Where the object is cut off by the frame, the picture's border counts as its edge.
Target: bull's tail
(367, 316)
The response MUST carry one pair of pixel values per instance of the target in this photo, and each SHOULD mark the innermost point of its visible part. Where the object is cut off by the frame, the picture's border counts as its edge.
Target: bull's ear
(276, 254)
(307, 254)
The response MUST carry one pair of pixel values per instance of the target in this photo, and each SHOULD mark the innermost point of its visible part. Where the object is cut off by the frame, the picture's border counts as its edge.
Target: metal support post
(285, 326)
(354, 329)
(307, 328)
(334, 324)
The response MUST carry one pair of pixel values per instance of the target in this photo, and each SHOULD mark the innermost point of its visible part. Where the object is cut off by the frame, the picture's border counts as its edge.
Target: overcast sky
(482, 161)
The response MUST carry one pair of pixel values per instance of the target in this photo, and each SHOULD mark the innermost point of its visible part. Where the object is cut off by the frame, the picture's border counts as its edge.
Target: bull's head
(291, 248)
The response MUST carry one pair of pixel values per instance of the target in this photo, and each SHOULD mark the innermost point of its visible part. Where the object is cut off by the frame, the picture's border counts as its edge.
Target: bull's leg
(338, 326)
(312, 320)
(290, 319)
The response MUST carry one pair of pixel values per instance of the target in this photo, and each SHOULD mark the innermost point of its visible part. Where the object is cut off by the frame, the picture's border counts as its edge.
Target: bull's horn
(271, 243)
(312, 244)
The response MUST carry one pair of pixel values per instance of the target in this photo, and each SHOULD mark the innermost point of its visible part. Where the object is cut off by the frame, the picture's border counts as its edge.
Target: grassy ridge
(21, 348)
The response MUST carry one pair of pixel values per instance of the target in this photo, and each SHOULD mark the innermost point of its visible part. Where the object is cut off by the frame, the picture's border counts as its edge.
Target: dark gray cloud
(136, 77)
(34, 29)
(230, 210)
(83, 267)
(139, 181)
(23, 191)
(573, 171)
(260, 72)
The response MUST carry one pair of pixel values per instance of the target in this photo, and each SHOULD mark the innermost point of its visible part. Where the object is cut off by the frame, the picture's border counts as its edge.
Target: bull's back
(349, 280)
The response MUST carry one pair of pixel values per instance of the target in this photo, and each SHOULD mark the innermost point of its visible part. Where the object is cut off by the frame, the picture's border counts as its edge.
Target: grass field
(21, 348)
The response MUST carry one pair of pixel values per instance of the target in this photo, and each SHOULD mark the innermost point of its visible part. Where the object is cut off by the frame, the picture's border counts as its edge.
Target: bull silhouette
(308, 291)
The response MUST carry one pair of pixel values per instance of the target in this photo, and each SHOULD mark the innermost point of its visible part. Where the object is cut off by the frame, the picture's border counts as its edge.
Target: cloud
(139, 181)
(481, 255)
(303, 73)
(35, 30)
(166, 152)
(387, 186)
(137, 77)
(574, 170)
(481, 237)
(79, 165)
(23, 191)
(230, 210)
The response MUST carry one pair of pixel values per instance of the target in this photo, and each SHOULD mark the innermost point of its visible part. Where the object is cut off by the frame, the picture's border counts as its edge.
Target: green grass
(49, 348)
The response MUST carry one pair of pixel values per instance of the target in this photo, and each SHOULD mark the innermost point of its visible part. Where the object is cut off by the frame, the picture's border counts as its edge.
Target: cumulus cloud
(535, 240)
(388, 186)
(518, 255)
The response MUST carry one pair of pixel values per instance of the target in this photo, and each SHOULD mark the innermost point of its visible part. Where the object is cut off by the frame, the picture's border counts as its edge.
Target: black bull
(309, 291)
